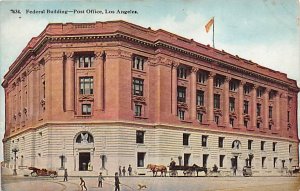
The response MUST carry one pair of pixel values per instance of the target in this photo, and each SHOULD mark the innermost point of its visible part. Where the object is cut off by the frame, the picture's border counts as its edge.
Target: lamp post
(15, 150)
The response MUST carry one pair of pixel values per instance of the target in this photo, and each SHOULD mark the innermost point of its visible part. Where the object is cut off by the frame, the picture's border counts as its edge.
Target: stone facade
(92, 97)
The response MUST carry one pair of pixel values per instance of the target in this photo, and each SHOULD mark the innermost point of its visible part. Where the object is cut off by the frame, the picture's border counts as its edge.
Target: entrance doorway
(84, 159)
(234, 162)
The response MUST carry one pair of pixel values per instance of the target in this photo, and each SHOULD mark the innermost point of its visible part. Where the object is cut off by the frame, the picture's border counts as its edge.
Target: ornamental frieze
(232, 115)
(259, 119)
(246, 117)
(201, 109)
(139, 99)
(86, 98)
(218, 112)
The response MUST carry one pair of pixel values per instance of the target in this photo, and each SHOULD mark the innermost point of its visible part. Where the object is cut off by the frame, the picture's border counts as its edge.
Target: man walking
(100, 179)
(65, 175)
(129, 170)
(117, 182)
(124, 171)
(82, 184)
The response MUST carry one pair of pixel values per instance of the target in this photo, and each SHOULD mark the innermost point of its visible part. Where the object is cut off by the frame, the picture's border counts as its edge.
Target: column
(69, 73)
(210, 92)
(193, 92)
(253, 117)
(174, 88)
(277, 112)
(226, 101)
(266, 109)
(98, 81)
(284, 110)
(241, 105)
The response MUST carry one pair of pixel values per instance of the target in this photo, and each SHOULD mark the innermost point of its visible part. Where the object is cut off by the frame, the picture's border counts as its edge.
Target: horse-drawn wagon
(187, 170)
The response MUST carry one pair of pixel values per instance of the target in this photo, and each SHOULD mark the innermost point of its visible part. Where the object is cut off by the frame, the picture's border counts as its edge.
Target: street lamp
(15, 150)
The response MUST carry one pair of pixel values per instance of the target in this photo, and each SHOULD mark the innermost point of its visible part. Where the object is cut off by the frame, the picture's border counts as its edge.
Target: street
(12, 183)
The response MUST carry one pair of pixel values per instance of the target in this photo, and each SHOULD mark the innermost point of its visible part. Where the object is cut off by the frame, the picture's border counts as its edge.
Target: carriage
(187, 170)
(42, 172)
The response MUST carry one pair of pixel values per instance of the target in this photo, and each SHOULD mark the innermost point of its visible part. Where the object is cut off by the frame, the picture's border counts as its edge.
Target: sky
(264, 31)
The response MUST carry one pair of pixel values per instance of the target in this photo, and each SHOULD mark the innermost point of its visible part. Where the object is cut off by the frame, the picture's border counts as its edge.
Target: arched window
(84, 137)
(236, 144)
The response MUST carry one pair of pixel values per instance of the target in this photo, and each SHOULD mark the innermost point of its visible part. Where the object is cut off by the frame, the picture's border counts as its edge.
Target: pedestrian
(129, 170)
(100, 179)
(117, 182)
(66, 175)
(82, 184)
(120, 170)
(234, 170)
(124, 171)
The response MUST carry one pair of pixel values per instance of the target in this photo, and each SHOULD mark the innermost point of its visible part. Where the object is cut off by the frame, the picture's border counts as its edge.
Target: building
(91, 97)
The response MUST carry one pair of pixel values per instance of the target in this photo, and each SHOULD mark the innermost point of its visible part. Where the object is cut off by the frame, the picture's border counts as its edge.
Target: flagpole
(214, 33)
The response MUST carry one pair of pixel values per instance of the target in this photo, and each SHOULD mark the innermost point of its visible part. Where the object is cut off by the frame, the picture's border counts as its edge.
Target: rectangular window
(288, 116)
(222, 157)
(258, 109)
(231, 121)
(216, 119)
(270, 112)
(186, 159)
(181, 114)
(271, 95)
(204, 161)
(233, 86)
(274, 146)
(202, 77)
(140, 137)
(86, 85)
(86, 109)
(185, 138)
(204, 140)
(138, 63)
(138, 86)
(246, 107)
(270, 126)
(231, 104)
(263, 159)
(275, 162)
(138, 110)
(84, 61)
(290, 148)
(257, 125)
(182, 72)
(221, 142)
(216, 101)
(200, 117)
(200, 98)
(141, 159)
(259, 92)
(246, 123)
(250, 144)
(218, 82)
(181, 94)
(262, 145)
(246, 89)
(44, 89)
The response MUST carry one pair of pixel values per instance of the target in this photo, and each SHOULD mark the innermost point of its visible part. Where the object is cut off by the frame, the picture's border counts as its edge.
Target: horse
(199, 169)
(157, 168)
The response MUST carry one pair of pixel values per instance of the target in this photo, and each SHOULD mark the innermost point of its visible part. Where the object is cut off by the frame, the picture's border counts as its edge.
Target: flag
(208, 25)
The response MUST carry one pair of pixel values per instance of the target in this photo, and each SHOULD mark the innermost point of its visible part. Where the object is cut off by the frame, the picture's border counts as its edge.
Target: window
(181, 94)
(263, 159)
(233, 86)
(246, 123)
(138, 86)
(216, 119)
(140, 137)
(86, 109)
(138, 110)
(86, 85)
(84, 61)
(262, 145)
(246, 89)
(44, 89)
(270, 112)
(231, 121)
(258, 108)
(290, 148)
(250, 144)
(205, 158)
(231, 104)
(271, 95)
(259, 92)
(200, 98)
(218, 82)
(257, 125)
(274, 162)
(202, 77)
(274, 146)
(288, 116)
(246, 107)
(200, 117)
(216, 101)
(222, 161)
(221, 142)
(270, 126)
(181, 72)
(181, 114)
(141, 159)
(186, 139)
(138, 63)
(204, 140)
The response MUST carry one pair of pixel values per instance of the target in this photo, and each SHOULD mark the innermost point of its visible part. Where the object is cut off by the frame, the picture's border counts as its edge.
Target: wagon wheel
(34, 174)
(52, 175)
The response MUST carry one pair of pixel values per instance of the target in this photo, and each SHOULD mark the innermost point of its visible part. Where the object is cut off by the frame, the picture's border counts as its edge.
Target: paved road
(10, 183)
